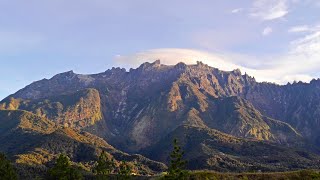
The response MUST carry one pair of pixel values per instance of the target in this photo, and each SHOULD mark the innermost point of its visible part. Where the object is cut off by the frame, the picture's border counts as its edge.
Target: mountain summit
(226, 120)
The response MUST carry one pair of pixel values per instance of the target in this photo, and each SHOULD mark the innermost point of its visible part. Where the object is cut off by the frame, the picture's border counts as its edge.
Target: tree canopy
(7, 171)
(63, 170)
(177, 164)
(105, 165)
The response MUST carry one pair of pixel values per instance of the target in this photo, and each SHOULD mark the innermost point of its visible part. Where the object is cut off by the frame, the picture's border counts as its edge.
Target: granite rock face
(135, 110)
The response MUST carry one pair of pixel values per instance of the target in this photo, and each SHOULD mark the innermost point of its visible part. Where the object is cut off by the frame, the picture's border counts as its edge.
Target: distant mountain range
(225, 121)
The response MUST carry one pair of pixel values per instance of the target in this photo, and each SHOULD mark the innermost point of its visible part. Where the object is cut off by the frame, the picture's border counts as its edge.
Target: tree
(7, 171)
(63, 170)
(177, 164)
(125, 170)
(104, 166)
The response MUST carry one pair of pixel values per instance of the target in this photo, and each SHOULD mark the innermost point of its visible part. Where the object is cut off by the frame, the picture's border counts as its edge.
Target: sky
(272, 40)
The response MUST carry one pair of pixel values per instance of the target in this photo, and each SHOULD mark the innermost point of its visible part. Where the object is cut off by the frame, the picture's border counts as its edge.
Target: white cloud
(269, 9)
(309, 45)
(266, 31)
(304, 28)
(296, 29)
(235, 11)
(279, 69)
(171, 56)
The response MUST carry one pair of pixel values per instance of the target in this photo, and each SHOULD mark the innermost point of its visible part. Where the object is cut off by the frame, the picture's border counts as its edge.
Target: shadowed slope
(210, 149)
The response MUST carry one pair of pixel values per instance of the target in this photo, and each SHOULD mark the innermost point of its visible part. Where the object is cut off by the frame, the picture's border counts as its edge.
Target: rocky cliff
(135, 110)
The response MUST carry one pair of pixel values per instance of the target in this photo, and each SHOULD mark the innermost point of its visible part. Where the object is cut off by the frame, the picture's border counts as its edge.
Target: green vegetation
(105, 166)
(63, 170)
(125, 170)
(7, 171)
(177, 164)
(293, 175)
(210, 149)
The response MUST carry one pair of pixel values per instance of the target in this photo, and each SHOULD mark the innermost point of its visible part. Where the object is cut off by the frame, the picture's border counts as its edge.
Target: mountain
(210, 149)
(78, 109)
(143, 109)
(35, 142)
(297, 104)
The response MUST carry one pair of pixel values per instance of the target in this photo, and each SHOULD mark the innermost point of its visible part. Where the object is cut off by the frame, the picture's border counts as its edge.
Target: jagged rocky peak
(116, 70)
(68, 74)
(248, 79)
(200, 64)
(315, 82)
(64, 77)
(180, 66)
(150, 66)
(156, 63)
(237, 72)
(71, 77)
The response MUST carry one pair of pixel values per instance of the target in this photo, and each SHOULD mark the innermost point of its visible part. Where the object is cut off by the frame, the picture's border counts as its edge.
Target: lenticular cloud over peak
(280, 70)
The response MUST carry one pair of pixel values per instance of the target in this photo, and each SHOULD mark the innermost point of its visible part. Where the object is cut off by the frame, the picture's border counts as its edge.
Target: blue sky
(273, 40)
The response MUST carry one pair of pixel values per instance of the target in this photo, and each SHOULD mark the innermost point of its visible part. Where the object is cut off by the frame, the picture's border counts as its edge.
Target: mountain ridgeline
(226, 121)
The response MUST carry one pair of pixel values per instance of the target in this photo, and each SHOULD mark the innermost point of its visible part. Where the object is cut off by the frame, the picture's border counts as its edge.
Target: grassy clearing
(303, 174)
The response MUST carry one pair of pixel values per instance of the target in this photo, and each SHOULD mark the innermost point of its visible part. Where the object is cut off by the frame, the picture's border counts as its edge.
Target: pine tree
(7, 171)
(177, 164)
(104, 166)
(63, 170)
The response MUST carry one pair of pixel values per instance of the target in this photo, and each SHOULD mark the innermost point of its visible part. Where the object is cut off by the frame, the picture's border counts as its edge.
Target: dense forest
(104, 168)
(107, 168)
